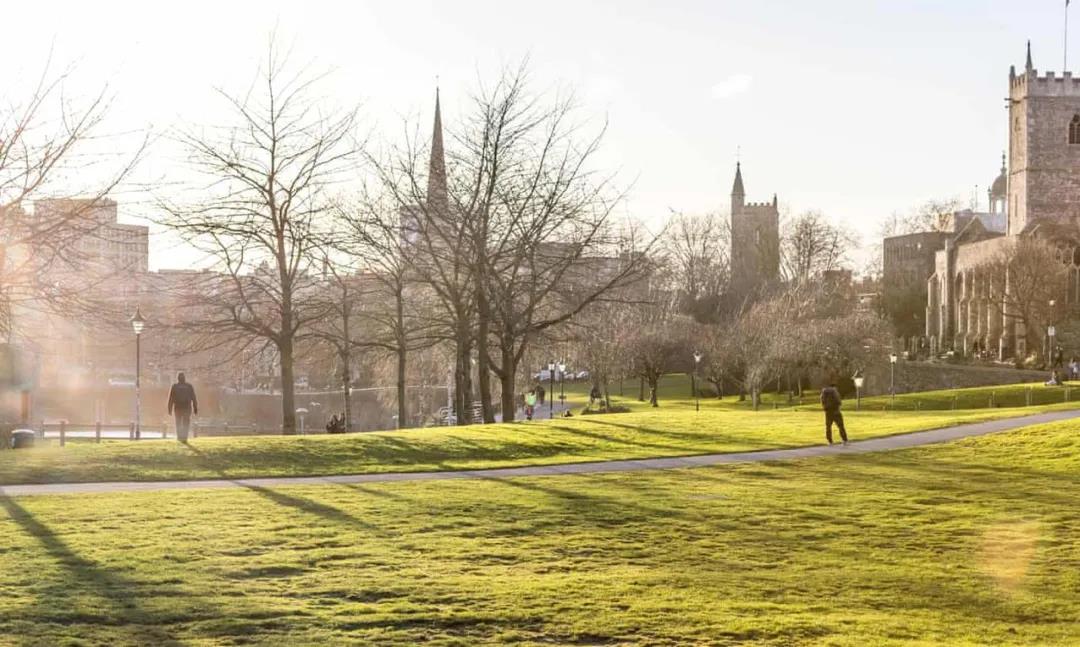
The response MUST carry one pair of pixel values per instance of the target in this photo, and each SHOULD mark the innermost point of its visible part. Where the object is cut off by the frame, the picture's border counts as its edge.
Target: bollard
(97, 431)
(131, 432)
(63, 432)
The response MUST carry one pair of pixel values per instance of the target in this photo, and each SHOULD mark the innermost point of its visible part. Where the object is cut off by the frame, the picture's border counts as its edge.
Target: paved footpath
(862, 447)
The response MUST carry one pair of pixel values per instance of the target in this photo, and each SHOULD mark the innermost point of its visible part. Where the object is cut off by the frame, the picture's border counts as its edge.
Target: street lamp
(551, 390)
(1050, 332)
(693, 380)
(858, 378)
(137, 324)
(562, 384)
(892, 376)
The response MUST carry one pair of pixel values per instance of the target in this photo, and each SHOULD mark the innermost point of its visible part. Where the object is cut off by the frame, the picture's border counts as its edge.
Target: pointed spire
(437, 192)
(1028, 66)
(1003, 166)
(737, 188)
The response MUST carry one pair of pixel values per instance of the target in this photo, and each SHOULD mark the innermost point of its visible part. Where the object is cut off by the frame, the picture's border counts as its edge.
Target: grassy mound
(639, 434)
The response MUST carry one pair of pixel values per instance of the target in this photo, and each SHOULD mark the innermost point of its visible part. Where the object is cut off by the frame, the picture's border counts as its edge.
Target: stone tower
(755, 239)
(1044, 148)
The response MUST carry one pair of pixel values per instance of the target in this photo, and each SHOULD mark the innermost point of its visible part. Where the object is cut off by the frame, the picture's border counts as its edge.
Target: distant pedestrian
(540, 394)
(594, 395)
(1059, 359)
(530, 404)
(182, 404)
(830, 402)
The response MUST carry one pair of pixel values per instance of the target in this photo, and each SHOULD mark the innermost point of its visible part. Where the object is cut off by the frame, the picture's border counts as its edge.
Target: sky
(856, 108)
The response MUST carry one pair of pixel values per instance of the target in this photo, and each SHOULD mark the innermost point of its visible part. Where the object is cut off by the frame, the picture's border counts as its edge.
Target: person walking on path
(830, 402)
(530, 404)
(182, 404)
(540, 394)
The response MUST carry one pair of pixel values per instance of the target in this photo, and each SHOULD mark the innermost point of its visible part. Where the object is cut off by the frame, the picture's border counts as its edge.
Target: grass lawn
(675, 393)
(971, 543)
(668, 431)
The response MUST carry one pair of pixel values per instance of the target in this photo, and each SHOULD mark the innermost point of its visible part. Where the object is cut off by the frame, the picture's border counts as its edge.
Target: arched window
(1074, 130)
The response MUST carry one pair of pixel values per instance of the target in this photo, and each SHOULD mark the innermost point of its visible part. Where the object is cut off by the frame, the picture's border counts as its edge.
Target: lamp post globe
(859, 381)
(562, 383)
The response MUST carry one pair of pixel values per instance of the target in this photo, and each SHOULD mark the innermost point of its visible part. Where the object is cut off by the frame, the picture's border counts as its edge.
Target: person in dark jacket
(830, 402)
(182, 405)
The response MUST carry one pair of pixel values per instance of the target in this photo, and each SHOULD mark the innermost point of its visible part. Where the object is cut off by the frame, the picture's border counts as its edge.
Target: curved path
(884, 443)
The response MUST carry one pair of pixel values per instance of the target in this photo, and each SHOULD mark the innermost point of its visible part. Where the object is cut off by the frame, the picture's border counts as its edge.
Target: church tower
(1044, 148)
(755, 239)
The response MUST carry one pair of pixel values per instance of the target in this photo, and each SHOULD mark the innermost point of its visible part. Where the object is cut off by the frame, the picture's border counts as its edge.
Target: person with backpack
(830, 402)
(182, 404)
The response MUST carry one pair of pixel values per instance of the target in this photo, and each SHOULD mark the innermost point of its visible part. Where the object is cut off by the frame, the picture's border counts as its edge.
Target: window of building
(1074, 130)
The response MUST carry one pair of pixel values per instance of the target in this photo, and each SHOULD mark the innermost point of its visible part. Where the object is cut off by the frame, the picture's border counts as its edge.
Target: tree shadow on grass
(321, 510)
(121, 595)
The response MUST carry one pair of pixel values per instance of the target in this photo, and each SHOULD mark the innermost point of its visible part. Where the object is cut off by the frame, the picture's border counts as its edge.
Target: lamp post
(1050, 332)
(137, 324)
(858, 390)
(551, 390)
(562, 384)
(892, 376)
(693, 380)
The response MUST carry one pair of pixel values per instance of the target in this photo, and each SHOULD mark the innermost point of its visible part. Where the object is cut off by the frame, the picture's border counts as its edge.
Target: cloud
(735, 84)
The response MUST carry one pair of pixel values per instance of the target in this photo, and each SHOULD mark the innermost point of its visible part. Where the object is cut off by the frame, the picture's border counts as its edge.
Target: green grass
(675, 393)
(643, 433)
(971, 543)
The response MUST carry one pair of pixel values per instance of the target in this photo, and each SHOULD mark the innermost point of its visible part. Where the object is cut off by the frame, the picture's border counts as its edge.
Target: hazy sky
(858, 108)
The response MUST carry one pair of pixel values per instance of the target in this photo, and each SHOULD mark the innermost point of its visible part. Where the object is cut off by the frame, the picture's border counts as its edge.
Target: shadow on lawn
(303, 504)
(117, 593)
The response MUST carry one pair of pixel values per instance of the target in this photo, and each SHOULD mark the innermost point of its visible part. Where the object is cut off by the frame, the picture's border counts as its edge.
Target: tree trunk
(402, 403)
(483, 370)
(654, 385)
(641, 389)
(288, 390)
(755, 398)
(509, 372)
(401, 351)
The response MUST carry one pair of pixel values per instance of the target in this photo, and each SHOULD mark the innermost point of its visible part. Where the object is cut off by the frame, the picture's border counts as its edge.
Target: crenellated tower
(1044, 147)
(755, 239)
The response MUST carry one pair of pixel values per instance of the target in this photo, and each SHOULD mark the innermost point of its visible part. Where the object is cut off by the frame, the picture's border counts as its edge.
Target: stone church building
(1037, 195)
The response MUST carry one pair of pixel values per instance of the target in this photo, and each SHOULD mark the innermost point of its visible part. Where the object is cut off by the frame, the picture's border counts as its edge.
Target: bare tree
(516, 234)
(812, 245)
(696, 251)
(1035, 274)
(267, 176)
(398, 313)
(48, 144)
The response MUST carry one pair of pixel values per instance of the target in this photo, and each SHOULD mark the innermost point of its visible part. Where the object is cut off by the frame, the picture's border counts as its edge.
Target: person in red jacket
(830, 402)
(182, 404)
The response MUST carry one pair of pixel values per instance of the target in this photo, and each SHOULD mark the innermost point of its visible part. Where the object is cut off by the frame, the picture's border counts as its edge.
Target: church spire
(738, 194)
(437, 192)
(1028, 66)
